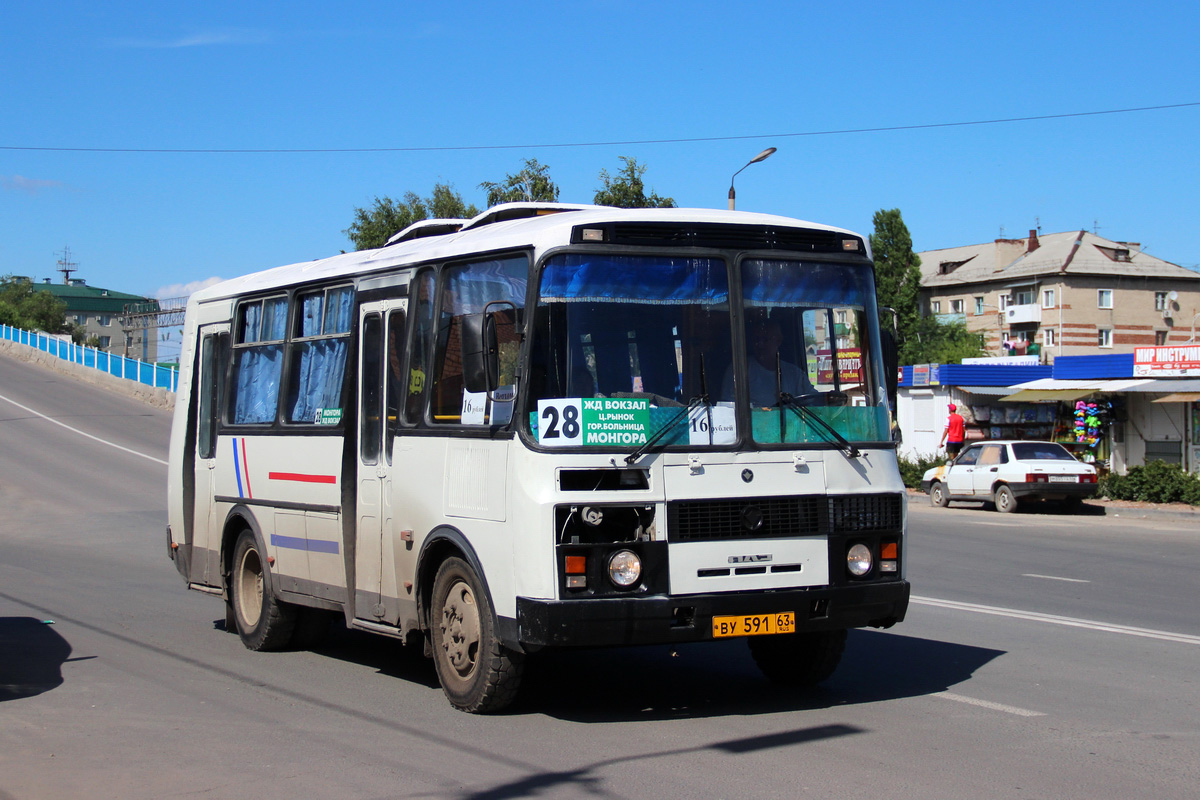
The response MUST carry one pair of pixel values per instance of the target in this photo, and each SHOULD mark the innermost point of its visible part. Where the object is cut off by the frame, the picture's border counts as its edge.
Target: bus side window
(258, 361)
(370, 395)
(467, 289)
(395, 383)
(418, 360)
(207, 393)
(319, 349)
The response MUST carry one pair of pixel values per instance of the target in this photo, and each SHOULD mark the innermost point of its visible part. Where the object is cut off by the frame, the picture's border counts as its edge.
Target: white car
(1005, 473)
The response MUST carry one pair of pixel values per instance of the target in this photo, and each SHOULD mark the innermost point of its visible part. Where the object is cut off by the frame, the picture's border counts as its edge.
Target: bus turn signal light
(576, 565)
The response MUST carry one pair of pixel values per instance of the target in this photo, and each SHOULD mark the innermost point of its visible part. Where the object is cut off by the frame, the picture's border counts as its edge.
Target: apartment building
(98, 311)
(1072, 293)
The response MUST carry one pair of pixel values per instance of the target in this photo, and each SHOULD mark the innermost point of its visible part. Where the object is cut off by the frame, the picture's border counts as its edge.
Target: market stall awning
(1178, 397)
(994, 391)
(1066, 390)
(1042, 395)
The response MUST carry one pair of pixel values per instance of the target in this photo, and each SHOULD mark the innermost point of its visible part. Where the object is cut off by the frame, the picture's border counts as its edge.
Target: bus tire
(478, 674)
(798, 659)
(263, 622)
(937, 495)
(1006, 501)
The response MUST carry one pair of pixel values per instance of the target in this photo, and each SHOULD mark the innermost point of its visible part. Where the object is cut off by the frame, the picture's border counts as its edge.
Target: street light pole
(760, 157)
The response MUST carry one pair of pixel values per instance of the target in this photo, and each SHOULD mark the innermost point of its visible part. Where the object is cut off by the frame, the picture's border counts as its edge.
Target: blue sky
(477, 78)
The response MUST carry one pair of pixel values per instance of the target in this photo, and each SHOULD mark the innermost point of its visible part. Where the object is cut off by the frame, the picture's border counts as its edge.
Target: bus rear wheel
(798, 659)
(477, 672)
(263, 622)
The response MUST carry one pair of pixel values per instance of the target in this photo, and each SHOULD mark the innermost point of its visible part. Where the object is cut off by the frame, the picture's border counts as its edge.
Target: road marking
(1071, 622)
(958, 698)
(82, 433)
(1052, 578)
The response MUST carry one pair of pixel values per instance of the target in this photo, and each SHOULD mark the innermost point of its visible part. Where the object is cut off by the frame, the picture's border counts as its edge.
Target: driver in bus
(769, 374)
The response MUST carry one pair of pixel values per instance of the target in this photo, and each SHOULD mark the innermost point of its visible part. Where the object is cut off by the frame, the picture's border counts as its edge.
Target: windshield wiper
(807, 414)
(693, 404)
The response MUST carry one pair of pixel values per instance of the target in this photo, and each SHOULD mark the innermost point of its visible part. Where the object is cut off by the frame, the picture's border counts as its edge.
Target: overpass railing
(132, 369)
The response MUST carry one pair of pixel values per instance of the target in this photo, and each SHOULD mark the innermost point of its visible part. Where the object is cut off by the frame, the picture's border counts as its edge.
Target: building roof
(81, 298)
(1072, 253)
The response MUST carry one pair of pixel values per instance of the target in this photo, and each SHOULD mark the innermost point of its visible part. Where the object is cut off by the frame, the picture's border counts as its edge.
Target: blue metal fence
(131, 369)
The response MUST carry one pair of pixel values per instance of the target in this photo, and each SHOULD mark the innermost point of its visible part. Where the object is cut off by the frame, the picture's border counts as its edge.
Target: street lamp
(760, 157)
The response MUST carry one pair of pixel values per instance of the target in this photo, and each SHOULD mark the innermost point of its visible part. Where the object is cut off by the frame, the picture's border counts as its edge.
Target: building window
(978, 305)
(1024, 296)
(1104, 298)
(105, 341)
(1003, 301)
(956, 306)
(1160, 301)
(1047, 298)
(1104, 337)
(936, 306)
(1160, 338)
(1048, 337)
(104, 320)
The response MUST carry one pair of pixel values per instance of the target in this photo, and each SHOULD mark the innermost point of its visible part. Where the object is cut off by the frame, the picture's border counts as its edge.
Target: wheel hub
(460, 629)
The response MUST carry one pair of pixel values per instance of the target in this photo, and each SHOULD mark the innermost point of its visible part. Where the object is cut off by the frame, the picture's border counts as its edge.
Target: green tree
(23, 306)
(921, 339)
(531, 185)
(373, 226)
(626, 190)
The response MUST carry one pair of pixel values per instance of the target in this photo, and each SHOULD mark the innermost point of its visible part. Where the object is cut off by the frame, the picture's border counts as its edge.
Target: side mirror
(481, 367)
(891, 365)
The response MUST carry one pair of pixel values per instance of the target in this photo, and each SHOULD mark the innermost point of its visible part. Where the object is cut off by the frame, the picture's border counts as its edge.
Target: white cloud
(202, 39)
(184, 289)
(19, 183)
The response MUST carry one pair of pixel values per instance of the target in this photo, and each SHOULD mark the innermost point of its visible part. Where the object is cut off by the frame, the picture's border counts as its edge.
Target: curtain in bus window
(256, 387)
(317, 379)
(773, 284)
(633, 279)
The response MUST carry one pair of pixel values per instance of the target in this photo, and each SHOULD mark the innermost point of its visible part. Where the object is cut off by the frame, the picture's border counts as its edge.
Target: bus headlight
(624, 568)
(858, 560)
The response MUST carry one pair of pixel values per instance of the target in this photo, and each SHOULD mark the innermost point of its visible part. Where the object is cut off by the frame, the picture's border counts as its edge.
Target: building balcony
(950, 319)
(1017, 315)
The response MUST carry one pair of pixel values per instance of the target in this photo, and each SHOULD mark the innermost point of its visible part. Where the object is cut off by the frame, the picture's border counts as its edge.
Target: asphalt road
(1043, 656)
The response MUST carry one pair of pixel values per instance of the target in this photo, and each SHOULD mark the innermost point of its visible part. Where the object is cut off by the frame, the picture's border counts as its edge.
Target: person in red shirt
(953, 436)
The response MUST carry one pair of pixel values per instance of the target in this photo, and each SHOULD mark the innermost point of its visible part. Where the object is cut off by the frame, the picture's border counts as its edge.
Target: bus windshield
(628, 350)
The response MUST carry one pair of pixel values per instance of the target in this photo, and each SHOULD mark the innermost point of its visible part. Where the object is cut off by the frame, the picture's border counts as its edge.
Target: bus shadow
(31, 657)
(720, 678)
(389, 657)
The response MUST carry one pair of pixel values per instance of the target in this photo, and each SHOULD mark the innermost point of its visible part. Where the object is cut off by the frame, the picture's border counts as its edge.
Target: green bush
(911, 471)
(1156, 482)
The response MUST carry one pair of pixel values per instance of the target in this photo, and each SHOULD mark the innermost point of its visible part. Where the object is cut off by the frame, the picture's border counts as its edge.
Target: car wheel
(937, 495)
(1006, 501)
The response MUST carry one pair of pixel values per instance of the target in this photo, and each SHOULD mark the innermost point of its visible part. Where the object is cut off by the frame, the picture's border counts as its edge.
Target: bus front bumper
(660, 619)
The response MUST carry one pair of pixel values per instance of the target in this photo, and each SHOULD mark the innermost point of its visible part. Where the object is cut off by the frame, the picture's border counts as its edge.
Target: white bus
(548, 426)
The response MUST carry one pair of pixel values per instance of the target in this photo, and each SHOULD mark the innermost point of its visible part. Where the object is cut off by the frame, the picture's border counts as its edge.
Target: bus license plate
(754, 625)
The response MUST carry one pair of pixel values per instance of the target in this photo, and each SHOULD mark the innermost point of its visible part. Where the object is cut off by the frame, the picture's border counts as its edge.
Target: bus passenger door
(207, 385)
(373, 508)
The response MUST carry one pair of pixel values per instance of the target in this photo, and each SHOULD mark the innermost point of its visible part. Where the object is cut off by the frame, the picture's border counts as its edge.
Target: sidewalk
(1100, 507)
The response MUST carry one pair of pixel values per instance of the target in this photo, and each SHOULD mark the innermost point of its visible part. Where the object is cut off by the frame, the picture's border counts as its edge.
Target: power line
(547, 145)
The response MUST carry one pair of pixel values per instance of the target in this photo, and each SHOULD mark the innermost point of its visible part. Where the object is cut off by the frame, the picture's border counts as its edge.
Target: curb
(1108, 508)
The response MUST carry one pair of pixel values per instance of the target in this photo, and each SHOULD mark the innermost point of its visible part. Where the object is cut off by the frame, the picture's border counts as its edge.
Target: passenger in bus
(769, 374)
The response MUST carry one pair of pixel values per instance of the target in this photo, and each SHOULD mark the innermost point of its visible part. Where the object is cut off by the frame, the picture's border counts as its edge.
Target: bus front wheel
(477, 672)
(798, 659)
(263, 622)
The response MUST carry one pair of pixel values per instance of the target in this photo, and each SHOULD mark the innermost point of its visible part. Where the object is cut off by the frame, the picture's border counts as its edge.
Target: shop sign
(1169, 360)
(849, 366)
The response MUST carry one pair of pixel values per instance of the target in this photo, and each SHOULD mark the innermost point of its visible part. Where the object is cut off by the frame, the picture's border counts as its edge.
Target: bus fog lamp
(624, 568)
(858, 560)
